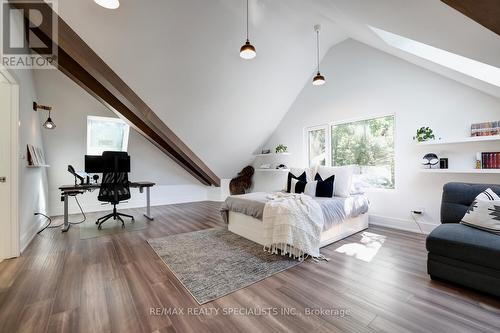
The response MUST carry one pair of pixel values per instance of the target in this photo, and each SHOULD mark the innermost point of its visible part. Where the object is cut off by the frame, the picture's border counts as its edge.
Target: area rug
(215, 262)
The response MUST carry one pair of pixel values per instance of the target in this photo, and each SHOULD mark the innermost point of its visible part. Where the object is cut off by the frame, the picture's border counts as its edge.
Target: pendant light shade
(109, 4)
(318, 79)
(49, 124)
(247, 51)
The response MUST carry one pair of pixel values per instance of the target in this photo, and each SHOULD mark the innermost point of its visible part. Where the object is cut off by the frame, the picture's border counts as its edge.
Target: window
(368, 143)
(106, 134)
(316, 138)
(467, 66)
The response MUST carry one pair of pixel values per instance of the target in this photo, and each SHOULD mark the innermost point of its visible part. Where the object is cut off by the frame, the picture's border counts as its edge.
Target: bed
(343, 216)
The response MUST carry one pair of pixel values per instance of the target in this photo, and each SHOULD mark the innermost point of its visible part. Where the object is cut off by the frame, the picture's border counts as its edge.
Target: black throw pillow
(291, 176)
(300, 186)
(324, 188)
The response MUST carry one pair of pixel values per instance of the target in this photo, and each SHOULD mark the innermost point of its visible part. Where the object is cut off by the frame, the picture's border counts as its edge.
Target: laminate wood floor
(117, 284)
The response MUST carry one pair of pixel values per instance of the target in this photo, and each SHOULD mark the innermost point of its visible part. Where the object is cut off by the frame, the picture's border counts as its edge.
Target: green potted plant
(424, 134)
(281, 149)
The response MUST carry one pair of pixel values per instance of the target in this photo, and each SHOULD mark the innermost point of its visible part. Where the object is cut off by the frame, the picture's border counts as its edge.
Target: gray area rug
(215, 262)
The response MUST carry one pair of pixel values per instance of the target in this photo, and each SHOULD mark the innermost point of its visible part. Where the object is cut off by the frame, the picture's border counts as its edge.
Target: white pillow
(293, 183)
(310, 188)
(343, 178)
(358, 186)
(484, 213)
(488, 195)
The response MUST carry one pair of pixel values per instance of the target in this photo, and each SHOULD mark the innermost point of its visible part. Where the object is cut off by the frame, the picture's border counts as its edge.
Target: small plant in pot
(424, 134)
(281, 149)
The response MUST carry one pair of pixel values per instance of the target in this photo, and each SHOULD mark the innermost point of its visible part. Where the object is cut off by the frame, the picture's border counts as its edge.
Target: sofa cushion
(458, 241)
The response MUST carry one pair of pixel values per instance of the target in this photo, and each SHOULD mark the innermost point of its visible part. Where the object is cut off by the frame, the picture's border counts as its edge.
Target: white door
(5, 170)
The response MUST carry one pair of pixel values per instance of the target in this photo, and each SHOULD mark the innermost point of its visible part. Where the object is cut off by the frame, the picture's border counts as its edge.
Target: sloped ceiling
(427, 21)
(181, 57)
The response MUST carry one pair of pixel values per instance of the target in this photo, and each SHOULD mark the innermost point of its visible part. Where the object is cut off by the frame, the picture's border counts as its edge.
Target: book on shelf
(34, 156)
(485, 129)
(490, 160)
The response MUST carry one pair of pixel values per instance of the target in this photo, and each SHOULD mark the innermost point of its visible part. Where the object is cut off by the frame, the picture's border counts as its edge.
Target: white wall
(66, 144)
(364, 82)
(33, 187)
(33, 195)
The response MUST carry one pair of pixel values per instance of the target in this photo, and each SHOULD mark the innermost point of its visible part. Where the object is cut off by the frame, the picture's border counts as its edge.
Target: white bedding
(335, 210)
(292, 224)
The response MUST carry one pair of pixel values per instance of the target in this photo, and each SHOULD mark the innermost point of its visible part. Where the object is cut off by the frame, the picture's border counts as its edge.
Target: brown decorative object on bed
(241, 183)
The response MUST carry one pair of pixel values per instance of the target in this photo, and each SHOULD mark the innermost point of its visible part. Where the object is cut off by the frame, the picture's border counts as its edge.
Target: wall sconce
(48, 124)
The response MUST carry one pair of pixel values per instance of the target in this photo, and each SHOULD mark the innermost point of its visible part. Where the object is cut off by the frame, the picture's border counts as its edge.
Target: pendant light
(247, 51)
(318, 79)
(109, 4)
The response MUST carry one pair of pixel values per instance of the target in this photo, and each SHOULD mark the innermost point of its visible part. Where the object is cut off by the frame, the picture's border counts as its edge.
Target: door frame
(14, 161)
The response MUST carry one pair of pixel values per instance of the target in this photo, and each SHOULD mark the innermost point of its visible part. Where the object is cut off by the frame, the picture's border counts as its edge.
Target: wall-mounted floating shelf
(462, 171)
(272, 170)
(458, 141)
(273, 154)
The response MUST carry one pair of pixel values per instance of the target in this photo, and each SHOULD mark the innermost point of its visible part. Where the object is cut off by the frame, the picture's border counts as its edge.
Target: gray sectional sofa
(462, 254)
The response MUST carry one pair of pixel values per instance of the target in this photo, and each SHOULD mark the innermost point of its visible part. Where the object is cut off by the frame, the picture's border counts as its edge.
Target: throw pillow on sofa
(484, 213)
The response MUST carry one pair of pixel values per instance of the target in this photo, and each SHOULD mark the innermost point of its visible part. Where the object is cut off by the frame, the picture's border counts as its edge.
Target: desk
(67, 190)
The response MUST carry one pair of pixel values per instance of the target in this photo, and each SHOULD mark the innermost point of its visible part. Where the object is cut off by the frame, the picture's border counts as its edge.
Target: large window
(106, 134)
(368, 143)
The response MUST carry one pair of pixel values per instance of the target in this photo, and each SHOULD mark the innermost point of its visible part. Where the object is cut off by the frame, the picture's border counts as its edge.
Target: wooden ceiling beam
(484, 12)
(81, 64)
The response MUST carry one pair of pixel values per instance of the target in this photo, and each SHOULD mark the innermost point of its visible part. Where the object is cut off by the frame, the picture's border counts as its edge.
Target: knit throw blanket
(292, 225)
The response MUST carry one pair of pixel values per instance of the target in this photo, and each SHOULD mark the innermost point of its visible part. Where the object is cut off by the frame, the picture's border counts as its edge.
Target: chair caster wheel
(99, 227)
(123, 226)
(96, 222)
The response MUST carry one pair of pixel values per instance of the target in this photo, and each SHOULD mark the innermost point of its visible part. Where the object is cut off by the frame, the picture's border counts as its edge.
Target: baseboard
(30, 234)
(401, 224)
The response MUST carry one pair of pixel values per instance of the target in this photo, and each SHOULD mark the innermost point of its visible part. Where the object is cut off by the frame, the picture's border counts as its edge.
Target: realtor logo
(23, 45)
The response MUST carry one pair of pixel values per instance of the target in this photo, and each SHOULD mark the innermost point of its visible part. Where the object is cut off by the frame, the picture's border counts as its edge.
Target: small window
(316, 139)
(106, 134)
(370, 145)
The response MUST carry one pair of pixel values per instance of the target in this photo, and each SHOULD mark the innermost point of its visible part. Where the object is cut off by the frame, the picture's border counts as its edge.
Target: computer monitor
(93, 164)
(96, 164)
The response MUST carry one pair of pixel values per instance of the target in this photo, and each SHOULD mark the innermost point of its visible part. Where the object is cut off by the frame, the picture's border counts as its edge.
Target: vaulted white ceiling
(181, 57)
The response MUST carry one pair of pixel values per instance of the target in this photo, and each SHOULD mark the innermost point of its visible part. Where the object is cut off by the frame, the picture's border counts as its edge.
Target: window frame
(126, 131)
(327, 143)
(328, 138)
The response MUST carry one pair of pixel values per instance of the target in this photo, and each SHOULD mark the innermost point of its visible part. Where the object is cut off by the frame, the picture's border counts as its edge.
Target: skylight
(473, 68)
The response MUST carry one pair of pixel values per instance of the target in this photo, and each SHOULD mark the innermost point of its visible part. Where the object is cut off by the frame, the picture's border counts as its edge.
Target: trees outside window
(368, 143)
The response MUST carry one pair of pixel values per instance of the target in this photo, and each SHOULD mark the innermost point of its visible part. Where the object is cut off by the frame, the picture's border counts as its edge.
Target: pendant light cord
(317, 47)
(247, 20)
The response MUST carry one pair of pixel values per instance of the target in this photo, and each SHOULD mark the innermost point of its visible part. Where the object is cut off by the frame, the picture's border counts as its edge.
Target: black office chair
(115, 185)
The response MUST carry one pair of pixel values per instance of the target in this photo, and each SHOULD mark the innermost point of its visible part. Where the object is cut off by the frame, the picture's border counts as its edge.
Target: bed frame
(251, 228)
